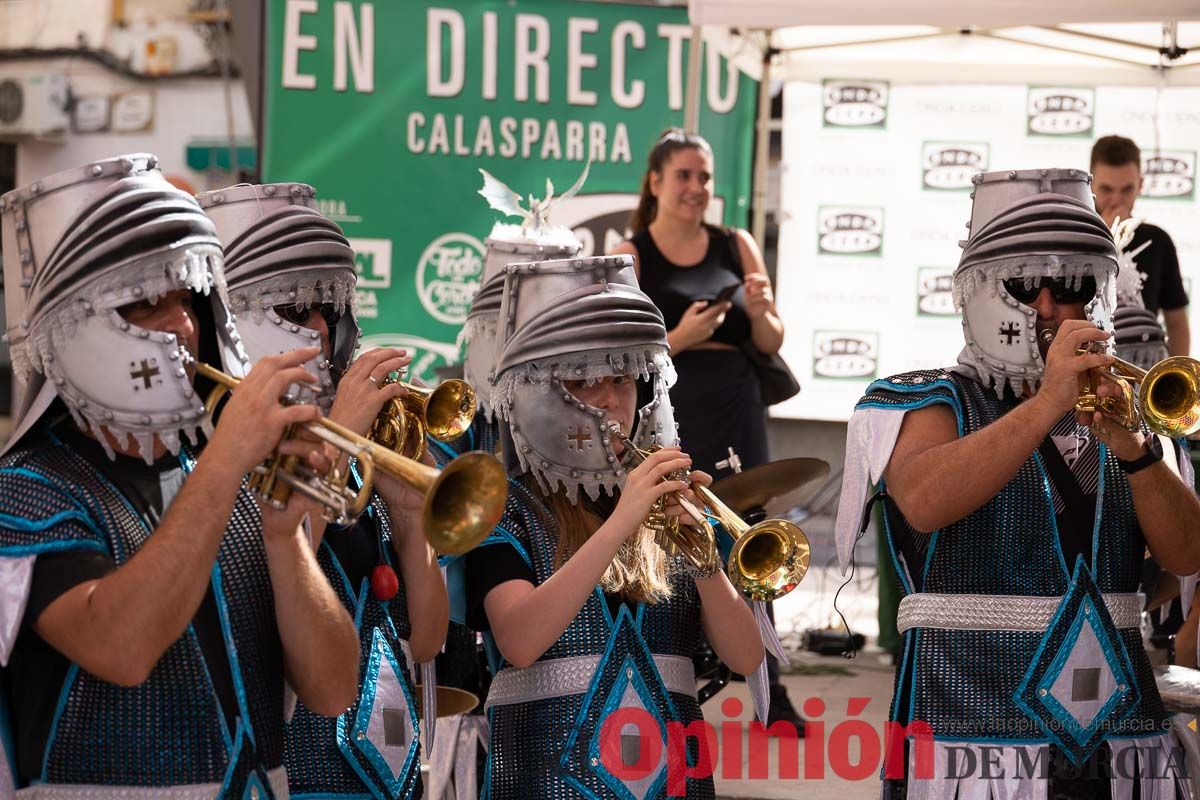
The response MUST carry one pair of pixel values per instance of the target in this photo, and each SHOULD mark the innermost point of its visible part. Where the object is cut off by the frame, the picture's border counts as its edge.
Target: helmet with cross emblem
(582, 320)
(80, 246)
(1026, 226)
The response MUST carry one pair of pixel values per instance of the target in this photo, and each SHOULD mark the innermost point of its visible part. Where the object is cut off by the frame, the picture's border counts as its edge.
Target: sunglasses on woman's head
(1060, 290)
(299, 316)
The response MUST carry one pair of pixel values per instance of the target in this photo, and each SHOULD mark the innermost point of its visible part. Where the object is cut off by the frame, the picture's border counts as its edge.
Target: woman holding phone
(712, 288)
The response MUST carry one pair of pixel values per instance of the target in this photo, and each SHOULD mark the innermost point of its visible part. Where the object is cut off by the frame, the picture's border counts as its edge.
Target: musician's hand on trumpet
(254, 419)
(1125, 444)
(646, 483)
(252, 427)
(671, 506)
(1066, 368)
(362, 391)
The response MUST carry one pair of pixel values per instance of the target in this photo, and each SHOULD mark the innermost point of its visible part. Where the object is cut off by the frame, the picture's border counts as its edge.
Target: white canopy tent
(1150, 50)
(776, 14)
(1110, 42)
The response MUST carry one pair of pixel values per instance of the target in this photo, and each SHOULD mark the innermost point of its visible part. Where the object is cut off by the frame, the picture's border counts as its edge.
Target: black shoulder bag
(775, 378)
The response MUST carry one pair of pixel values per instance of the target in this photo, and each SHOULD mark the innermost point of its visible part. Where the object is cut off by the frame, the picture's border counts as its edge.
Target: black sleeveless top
(673, 288)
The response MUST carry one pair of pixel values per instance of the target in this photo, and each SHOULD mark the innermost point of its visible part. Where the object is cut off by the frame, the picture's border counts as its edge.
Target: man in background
(1116, 181)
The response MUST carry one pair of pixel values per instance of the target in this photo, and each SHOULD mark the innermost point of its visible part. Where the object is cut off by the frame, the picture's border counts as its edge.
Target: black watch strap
(1153, 455)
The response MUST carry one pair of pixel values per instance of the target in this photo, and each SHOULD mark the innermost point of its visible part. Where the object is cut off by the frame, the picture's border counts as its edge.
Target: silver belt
(195, 791)
(563, 677)
(988, 612)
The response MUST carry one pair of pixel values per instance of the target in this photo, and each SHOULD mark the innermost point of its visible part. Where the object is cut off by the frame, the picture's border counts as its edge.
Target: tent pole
(1071, 50)
(762, 147)
(1097, 37)
(691, 102)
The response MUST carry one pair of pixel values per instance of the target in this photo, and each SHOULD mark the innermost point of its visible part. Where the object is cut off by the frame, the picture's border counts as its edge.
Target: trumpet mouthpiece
(1046, 335)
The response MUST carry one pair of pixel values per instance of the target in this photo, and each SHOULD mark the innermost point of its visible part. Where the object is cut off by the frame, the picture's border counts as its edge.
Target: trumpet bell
(465, 502)
(448, 409)
(769, 560)
(1170, 397)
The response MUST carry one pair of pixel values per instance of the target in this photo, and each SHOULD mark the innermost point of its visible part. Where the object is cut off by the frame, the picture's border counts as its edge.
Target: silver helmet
(1139, 337)
(1027, 224)
(578, 319)
(78, 246)
(506, 245)
(279, 252)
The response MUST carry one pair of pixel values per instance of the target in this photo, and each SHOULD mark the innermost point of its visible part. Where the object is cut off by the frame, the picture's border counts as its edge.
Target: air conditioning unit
(33, 105)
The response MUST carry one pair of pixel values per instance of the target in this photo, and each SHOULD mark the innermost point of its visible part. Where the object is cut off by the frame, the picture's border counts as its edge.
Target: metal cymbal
(776, 486)
(450, 701)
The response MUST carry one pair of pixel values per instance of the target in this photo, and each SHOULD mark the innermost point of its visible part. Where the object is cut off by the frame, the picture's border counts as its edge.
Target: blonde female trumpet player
(585, 612)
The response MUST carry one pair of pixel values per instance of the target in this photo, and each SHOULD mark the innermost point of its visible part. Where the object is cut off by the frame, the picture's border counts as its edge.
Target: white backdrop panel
(875, 197)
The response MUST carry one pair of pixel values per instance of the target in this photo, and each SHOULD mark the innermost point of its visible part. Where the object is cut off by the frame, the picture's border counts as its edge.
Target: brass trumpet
(1167, 399)
(767, 561)
(463, 501)
(444, 412)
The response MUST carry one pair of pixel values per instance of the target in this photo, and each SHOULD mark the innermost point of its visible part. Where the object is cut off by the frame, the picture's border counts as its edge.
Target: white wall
(183, 111)
(50, 24)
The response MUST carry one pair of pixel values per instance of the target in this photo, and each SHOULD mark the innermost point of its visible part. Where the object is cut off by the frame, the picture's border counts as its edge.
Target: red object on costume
(384, 583)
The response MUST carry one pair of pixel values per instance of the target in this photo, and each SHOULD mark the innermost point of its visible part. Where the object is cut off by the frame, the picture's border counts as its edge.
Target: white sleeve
(16, 574)
(870, 438)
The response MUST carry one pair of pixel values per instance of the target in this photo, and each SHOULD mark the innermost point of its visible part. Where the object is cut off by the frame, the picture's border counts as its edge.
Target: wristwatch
(1153, 455)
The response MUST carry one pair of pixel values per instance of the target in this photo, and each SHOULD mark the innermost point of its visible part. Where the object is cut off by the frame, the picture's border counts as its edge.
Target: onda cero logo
(949, 166)
(854, 103)
(448, 276)
(935, 292)
(850, 230)
(1170, 174)
(845, 354)
(1060, 111)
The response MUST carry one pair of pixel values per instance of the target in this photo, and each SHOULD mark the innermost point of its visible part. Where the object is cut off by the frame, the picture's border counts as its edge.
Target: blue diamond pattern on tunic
(634, 744)
(255, 790)
(1081, 682)
(385, 726)
(626, 677)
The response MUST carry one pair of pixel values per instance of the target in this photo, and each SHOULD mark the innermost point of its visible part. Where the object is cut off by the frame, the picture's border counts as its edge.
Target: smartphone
(726, 294)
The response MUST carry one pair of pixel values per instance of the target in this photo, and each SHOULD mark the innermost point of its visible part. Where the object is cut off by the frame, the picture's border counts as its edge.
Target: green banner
(389, 109)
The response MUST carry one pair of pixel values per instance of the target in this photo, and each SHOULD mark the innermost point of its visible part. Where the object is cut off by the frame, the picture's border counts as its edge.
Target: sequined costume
(373, 748)
(545, 731)
(169, 730)
(280, 251)
(1021, 620)
(986, 684)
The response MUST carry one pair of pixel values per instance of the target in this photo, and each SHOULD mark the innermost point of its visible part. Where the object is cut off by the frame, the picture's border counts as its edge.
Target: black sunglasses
(1060, 290)
(299, 316)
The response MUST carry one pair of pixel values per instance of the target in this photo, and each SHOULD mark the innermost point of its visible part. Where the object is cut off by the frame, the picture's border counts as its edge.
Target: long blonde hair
(639, 570)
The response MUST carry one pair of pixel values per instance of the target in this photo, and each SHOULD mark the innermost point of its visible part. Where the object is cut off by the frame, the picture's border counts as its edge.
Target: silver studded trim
(277, 778)
(980, 612)
(563, 677)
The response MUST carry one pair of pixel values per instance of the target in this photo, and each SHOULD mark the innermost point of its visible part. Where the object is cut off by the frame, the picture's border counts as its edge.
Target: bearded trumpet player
(1019, 523)
(151, 610)
(292, 278)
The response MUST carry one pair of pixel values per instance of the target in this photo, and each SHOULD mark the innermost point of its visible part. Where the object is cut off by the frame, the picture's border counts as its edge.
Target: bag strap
(731, 241)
